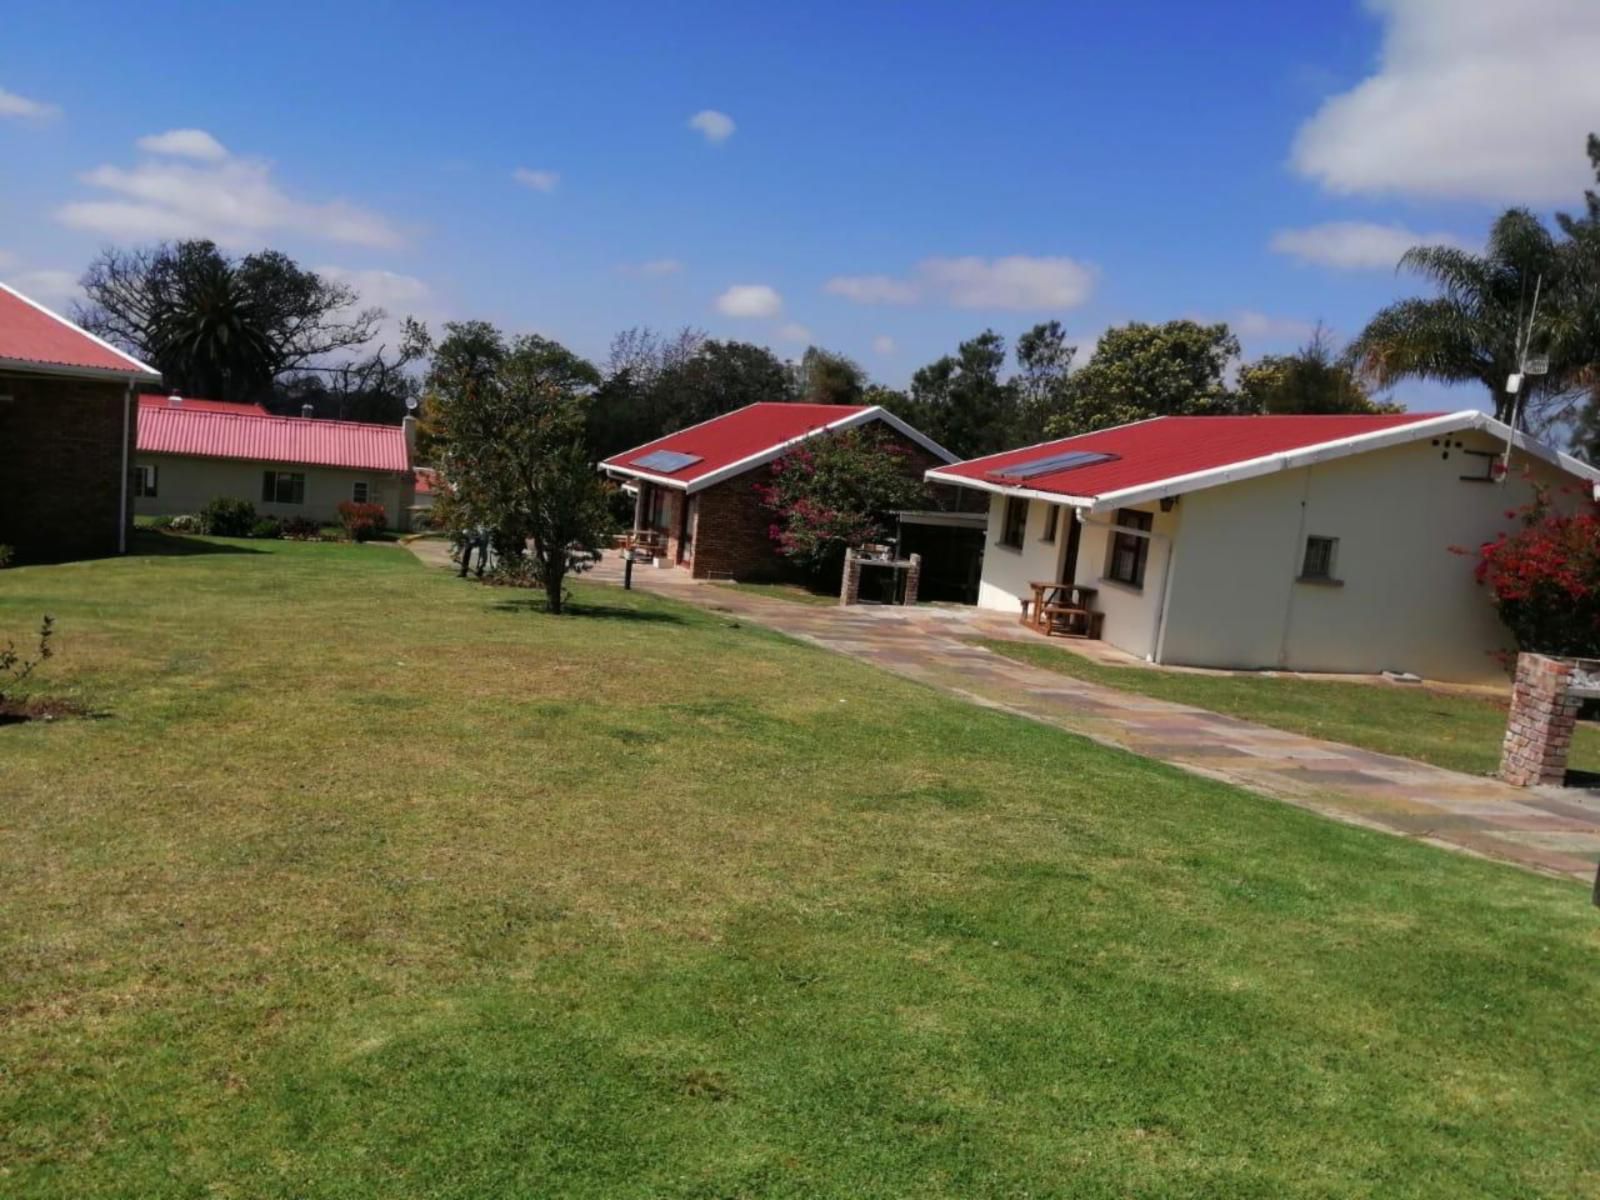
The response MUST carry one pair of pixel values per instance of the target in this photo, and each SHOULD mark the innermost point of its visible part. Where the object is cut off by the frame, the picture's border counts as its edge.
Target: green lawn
(1455, 730)
(371, 882)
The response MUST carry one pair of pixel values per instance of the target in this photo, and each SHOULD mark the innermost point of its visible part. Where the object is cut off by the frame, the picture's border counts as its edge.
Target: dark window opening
(1052, 517)
(144, 481)
(1130, 551)
(1319, 559)
(1015, 524)
(283, 487)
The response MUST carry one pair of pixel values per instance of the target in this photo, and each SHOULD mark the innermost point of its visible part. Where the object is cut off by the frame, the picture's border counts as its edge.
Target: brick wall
(1539, 730)
(733, 538)
(61, 462)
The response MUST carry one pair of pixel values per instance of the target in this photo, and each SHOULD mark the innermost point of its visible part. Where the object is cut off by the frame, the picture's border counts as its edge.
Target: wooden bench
(1072, 621)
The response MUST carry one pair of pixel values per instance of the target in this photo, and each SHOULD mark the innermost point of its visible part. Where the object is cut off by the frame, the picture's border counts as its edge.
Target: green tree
(509, 423)
(961, 401)
(1044, 362)
(1473, 329)
(824, 377)
(718, 378)
(220, 327)
(1139, 371)
(838, 491)
(1311, 380)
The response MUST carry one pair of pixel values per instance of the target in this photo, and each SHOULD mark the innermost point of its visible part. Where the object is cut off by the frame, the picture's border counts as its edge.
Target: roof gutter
(24, 366)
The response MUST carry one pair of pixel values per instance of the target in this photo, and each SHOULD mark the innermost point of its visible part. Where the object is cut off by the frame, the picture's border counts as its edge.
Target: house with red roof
(1306, 543)
(696, 490)
(190, 452)
(68, 425)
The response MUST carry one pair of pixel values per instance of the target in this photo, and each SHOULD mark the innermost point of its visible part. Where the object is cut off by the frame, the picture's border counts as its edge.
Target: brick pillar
(850, 589)
(1539, 732)
(913, 579)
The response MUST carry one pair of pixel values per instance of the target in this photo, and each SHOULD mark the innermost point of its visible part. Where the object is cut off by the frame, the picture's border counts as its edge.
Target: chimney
(410, 426)
(307, 411)
(175, 400)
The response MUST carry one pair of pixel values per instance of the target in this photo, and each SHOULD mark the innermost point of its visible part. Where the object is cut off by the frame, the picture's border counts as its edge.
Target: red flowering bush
(836, 491)
(1545, 578)
(362, 521)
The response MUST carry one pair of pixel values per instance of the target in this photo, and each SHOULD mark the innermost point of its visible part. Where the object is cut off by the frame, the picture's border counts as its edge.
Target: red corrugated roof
(733, 437)
(33, 337)
(191, 405)
(294, 440)
(1152, 452)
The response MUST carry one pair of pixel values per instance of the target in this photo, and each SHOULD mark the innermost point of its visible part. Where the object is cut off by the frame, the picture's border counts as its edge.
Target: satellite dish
(411, 404)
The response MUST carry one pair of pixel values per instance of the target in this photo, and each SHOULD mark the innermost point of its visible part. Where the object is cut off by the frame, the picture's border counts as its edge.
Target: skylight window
(1052, 464)
(665, 462)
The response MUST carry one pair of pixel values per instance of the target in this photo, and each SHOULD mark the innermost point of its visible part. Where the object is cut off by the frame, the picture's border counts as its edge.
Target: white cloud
(883, 345)
(234, 201)
(21, 107)
(1260, 327)
(655, 268)
(184, 143)
(793, 331)
(1474, 99)
(717, 127)
(873, 289)
(539, 181)
(6, 259)
(750, 300)
(53, 288)
(1016, 282)
(400, 296)
(1354, 245)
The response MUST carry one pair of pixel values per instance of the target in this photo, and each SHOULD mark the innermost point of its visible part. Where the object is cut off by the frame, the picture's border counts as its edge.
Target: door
(1069, 560)
(691, 523)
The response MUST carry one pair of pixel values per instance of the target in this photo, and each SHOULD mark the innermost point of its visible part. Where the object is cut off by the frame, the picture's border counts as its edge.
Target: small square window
(1052, 518)
(1015, 524)
(1321, 554)
(360, 492)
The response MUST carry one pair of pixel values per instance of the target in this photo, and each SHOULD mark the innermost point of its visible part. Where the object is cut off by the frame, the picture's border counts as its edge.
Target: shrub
(6, 555)
(300, 529)
(186, 523)
(362, 521)
(267, 527)
(228, 517)
(1545, 578)
(15, 669)
(162, 522)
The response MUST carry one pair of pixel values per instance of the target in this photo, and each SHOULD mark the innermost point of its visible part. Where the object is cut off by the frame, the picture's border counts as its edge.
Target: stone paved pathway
(1552, 830)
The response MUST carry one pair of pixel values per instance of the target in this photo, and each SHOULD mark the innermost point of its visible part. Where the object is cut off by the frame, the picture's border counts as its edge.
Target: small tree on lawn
(838, 491)
(1545, 578)
(510, 427)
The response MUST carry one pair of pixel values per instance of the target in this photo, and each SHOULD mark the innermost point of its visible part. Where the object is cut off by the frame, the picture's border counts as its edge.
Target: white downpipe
(1158, 634)
(127, 481)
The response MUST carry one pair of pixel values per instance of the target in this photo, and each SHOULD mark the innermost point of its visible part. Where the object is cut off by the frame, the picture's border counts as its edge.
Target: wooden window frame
(1130, 548)
(1014, 523)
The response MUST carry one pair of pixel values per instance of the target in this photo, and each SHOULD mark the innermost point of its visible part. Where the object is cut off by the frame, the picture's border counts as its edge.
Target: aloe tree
(1472, 330)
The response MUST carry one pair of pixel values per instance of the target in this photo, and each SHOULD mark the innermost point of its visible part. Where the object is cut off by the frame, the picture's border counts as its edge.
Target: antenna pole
(1524, 340)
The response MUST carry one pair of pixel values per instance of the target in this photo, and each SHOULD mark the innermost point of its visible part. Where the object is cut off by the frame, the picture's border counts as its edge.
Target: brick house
(190, 452)
(68, 427)
(696, 488)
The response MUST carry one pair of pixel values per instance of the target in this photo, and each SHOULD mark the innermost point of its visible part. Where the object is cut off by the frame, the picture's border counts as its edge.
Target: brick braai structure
(1544, 709)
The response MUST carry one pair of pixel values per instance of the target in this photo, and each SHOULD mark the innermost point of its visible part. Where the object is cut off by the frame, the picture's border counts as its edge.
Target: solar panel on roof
(666, 461)
(1053, 464)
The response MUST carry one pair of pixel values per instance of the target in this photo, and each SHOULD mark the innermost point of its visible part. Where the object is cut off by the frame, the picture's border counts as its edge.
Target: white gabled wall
(1130, 612)
(1007, 571)
(1404, 601)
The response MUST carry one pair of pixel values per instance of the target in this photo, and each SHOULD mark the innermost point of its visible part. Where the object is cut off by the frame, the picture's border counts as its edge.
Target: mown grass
(1458, 730)
(373, 882)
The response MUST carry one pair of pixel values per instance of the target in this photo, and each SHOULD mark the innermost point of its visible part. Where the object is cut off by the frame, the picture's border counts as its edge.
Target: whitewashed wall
(186, 485)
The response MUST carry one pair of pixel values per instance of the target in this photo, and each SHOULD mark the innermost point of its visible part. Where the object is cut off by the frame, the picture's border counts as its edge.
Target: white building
(1311, 543)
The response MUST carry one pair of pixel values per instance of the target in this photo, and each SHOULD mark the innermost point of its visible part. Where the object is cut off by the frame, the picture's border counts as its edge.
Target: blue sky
(880, 179)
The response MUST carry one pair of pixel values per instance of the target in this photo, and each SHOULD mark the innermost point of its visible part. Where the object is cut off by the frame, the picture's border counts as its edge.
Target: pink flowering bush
(836, 491)
(1545, 577)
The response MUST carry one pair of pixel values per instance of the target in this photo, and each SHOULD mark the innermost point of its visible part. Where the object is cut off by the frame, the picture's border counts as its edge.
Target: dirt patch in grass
(38, 708)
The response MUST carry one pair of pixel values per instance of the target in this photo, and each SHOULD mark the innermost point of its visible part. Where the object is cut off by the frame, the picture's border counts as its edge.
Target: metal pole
(627, 570)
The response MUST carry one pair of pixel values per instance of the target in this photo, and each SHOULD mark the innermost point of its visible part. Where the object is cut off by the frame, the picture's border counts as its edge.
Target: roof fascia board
(139, 368)
(24, 366)
(983, 485)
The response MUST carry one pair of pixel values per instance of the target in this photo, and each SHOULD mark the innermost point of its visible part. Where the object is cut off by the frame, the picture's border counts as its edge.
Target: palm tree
(1472, 330)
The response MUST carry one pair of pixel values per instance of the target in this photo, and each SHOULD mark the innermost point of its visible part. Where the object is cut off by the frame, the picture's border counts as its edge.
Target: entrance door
(1069, 560)
(691, 524)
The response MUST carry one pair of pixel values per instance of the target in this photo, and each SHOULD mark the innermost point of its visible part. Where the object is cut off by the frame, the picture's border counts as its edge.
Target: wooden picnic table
(1052, 594)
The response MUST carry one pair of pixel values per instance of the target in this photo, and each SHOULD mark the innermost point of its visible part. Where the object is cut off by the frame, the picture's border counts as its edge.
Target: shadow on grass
(536, 604)
(152, 544)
